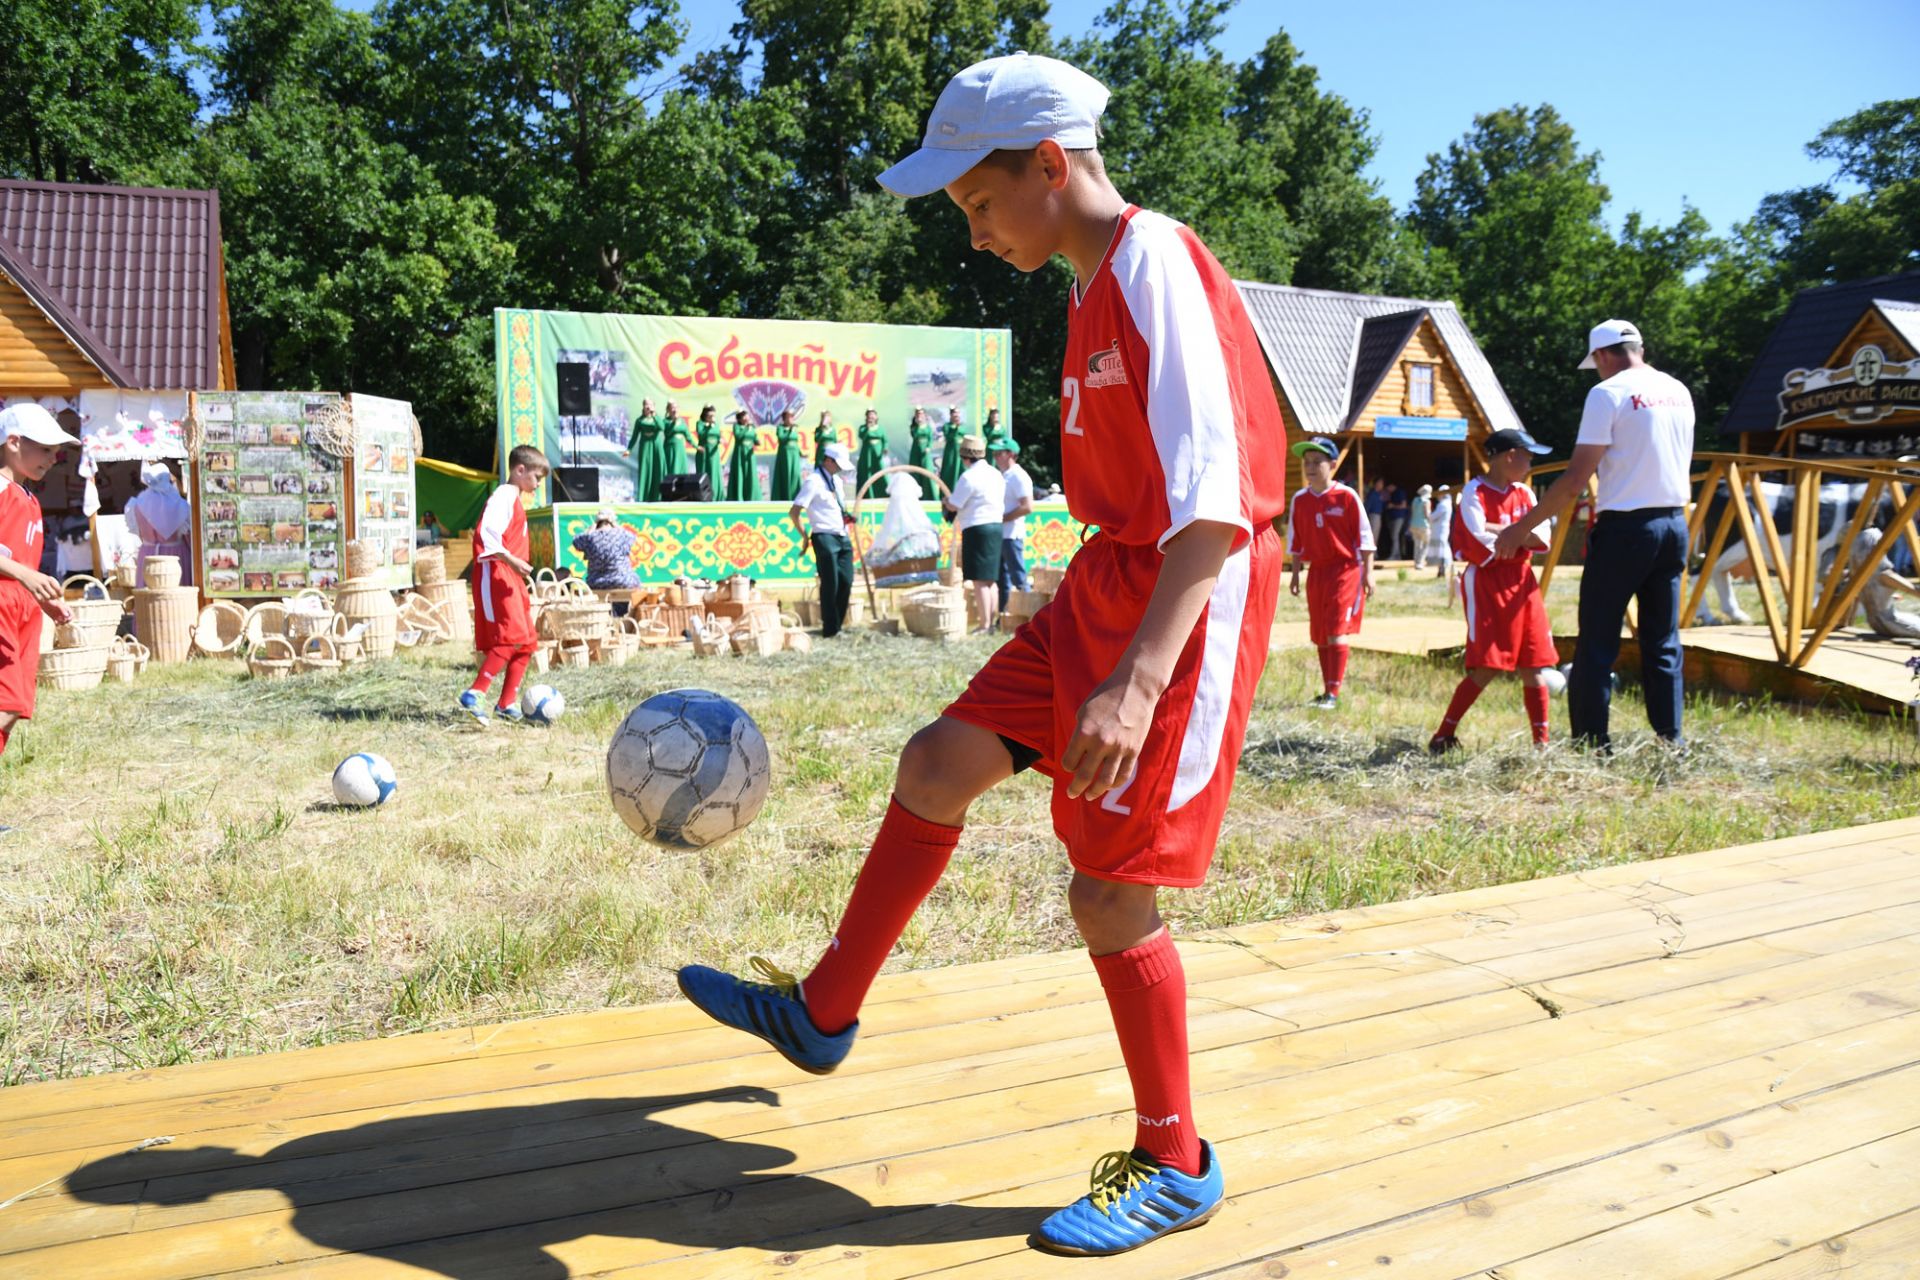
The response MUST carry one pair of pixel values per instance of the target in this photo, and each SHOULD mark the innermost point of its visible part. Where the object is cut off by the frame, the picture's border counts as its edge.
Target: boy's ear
(1054, 165)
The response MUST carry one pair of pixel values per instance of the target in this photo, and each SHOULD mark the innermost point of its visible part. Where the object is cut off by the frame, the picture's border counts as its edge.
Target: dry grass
(179, 887)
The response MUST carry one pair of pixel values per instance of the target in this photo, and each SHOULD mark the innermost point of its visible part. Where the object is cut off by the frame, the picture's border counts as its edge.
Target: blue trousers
(1013, 567)
(1631, 555)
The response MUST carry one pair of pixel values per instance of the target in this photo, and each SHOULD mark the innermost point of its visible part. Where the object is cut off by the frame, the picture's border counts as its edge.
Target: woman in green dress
(649, 456)
(786, 459)
(873, 451)
(709, 437)
(823, 435)
(950, 433)
(743, 482)
(921, 454)
(679, 441)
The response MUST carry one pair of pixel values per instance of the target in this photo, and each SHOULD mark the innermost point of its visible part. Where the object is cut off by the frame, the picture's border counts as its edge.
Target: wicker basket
(73, 669)
(220, 630)
(710, 640)
(458, 555)
(304, 620)
(126, 659)
(163, 619)
(939, 613)
(456, 606)
(96, 618)
(264, 621)
(372, 606)
(576, 619)
(348, 643)
(952, 576)
(429, 566)
(1047, 580)
(417, 613)
(272, 659)
(162, 572)
(123, 578)
(318, 654)
(363, 558)
(543, 656)
(575, 654)
(1028, 603)
(758, 642)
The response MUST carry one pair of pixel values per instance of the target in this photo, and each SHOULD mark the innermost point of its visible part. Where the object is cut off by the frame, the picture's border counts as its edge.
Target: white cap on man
(1012, 103)
(1609, 333)
(31, 422)
(839, 455)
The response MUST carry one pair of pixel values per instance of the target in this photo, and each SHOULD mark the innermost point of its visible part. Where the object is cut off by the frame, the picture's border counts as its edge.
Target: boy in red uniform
(502, 613)
(1132, 689)
(1327, 529)
(30, 442)
(1507, 626)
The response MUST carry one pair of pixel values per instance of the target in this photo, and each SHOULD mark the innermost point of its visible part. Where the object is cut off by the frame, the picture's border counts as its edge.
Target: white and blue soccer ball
(1556, 678)
(542, 703)
(364, 780)
(688, 769)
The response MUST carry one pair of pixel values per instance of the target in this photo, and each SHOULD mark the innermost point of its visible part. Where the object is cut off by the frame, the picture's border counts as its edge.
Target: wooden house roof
(132, 276)
(1815, 323)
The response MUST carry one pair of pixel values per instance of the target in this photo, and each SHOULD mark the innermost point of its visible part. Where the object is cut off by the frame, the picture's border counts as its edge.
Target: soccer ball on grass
(364, 781)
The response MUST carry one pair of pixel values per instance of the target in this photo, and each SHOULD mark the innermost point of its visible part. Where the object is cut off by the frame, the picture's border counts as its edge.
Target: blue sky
(1691, 100)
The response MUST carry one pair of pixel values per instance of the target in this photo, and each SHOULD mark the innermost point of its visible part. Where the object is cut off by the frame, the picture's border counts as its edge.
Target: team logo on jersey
(1106, 369)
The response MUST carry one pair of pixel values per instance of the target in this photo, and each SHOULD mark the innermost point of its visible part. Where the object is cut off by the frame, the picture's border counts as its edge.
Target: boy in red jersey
(30, 442)
(1507, 626)
(502, 612)
(1132, 689)
(1327, 529)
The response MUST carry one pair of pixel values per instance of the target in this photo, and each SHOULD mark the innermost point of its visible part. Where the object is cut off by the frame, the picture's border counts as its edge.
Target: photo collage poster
(383, 492)
(272, 517)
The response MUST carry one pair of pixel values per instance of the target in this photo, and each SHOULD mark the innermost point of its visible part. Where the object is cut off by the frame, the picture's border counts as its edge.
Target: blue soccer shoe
(1133, 1202)
(471, 703)
(772, 1009)
(509, 713)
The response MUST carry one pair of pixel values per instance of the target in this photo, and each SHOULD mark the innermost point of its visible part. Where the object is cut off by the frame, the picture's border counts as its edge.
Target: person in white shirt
(819, 515)
(978, 505)
(1636, 434)
(1013, 528)
(1440, 534)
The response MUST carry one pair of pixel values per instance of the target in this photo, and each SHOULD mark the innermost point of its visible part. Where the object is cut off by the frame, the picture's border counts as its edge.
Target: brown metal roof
(133, 275)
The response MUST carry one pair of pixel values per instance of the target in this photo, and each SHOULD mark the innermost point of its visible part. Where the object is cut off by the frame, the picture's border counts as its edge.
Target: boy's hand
(1107, 737)
(57, 610)
(45, 589)
(1294, 584)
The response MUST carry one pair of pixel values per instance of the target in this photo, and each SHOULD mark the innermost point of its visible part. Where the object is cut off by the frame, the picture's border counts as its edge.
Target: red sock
(1333, 665)
(1538, 700)
(909, 855)
(492, 663)
(516, 668)
(1463, 695)
(1147, 992)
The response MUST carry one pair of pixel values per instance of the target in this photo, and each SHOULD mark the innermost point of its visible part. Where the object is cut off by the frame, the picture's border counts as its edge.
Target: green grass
(179, 885)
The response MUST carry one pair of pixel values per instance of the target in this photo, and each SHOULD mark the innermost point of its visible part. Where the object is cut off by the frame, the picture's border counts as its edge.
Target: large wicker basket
(938, 613)
(163, 618)
(95, 617)
(574, 615)
(221, 630)
(73, 669)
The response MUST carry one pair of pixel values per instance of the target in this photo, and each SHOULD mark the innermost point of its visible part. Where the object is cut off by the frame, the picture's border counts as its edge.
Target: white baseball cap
(31, 422)
(838, 452)
(1013, 103)
(1607, 334)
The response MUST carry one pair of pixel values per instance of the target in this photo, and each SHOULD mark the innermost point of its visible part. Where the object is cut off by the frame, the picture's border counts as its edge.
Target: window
(1419, 388)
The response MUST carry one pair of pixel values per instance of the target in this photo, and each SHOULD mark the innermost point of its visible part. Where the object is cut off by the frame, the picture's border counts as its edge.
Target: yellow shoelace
(1117, 1173)
(776, 979)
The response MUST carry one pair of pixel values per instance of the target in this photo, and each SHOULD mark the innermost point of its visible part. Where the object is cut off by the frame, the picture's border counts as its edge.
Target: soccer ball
(1556, 680)
(364, 781)
(542, 703)
(687, 769)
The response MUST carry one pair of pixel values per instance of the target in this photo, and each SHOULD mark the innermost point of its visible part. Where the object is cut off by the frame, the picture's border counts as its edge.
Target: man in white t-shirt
(1636, 433)
(819, 515)
(1013, 528)
(978, 505)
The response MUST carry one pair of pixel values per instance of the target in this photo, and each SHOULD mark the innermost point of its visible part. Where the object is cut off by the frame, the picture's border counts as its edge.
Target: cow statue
(1838, 500)
(1884, 616)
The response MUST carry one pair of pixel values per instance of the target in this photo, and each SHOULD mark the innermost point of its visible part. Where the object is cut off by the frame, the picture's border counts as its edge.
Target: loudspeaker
(576, 484)
(576, 396)
(691, 486)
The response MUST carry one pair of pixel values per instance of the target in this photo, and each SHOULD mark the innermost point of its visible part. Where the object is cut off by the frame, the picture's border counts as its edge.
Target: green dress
(786, 463)
(873, 455)
(743, 482)
(680, 446)
(921, 455)
(709, 462)
(822, 437)
(649, 461)
(950, 464)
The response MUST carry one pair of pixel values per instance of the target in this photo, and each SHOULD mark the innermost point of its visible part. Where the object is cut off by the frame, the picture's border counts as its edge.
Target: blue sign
(1420, 428)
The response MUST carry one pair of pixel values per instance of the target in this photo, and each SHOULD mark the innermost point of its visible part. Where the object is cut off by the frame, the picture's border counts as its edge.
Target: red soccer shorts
(1335, 602)
(1159, 827)
(1507, 628)
(502, 611)
(19, 649)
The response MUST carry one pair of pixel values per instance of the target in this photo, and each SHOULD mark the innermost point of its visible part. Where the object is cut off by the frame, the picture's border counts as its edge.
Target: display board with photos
(272, 503)
(384, 509)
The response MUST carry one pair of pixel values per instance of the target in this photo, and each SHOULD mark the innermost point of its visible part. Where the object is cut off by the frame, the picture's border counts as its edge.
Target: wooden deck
(1702, 1067)
(1410, 635)
(1853, 664)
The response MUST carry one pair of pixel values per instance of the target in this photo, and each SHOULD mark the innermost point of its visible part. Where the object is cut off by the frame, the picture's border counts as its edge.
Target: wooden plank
(1883, 1250)
(1737, 491)
(1848, 598)
(1806, 556)
(1715, 546)
(1843, 549)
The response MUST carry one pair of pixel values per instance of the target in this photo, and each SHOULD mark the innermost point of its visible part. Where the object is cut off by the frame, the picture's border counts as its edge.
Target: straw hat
(973, 447)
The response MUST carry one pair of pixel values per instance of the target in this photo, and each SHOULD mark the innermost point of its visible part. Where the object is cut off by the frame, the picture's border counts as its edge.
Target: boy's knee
(925, 780)
(1112, 916)
(8, 719)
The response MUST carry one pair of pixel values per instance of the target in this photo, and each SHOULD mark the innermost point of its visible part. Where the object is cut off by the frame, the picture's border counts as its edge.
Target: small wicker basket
(363, 558)
(72, 669)
(272, 660)
(95, 617)
(429, 566)
(349, 644)
(264, 621)
(126, 659)
(162, 572)
(318, 654)
(938, 613)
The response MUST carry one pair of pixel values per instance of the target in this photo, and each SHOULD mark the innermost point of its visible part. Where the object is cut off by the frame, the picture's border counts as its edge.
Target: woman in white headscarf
(163, 519)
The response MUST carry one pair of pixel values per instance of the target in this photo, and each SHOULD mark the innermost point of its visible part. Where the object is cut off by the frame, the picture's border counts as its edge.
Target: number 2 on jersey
(1070, 392)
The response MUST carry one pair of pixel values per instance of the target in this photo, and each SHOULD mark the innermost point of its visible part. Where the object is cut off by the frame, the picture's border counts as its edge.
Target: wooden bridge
(1701, 1067)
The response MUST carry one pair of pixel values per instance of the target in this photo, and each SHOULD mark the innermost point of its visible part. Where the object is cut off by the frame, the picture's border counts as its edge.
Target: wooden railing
(1802, 605)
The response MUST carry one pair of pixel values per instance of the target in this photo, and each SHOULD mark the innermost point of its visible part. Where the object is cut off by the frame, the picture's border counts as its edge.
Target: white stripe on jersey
(1466, 589)
(1213, 693)
(1189, 401)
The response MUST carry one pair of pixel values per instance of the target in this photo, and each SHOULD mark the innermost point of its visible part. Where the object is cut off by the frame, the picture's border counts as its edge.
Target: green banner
(716, 540)
(762, 366)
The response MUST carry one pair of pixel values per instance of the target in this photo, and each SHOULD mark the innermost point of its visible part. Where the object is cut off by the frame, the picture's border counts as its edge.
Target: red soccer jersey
(22, 530)
(1328, 528)
(1484, 508)
(1167, 413)
(502, 526)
